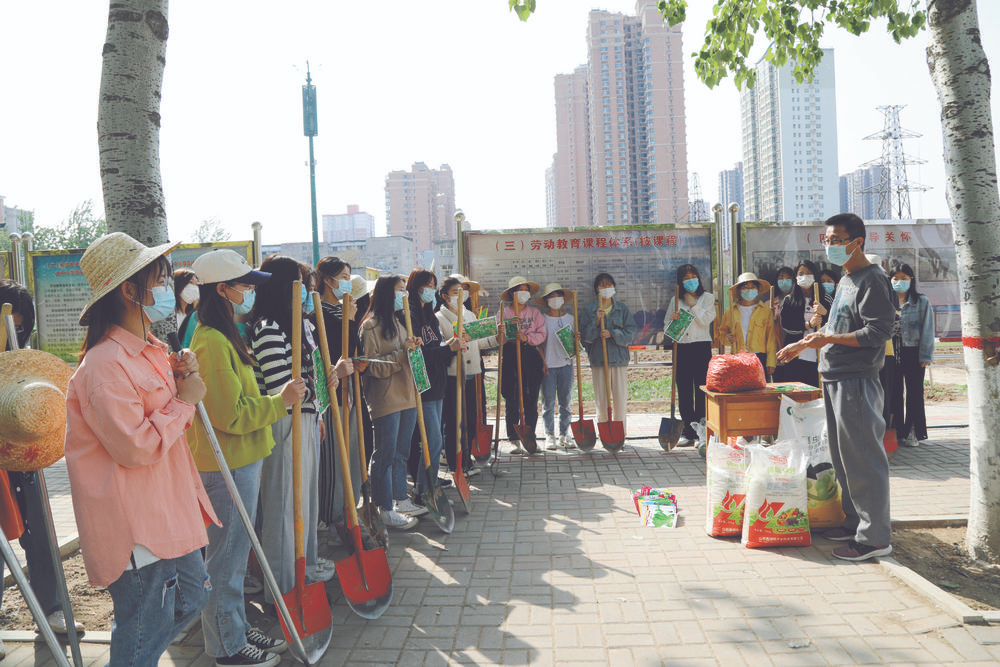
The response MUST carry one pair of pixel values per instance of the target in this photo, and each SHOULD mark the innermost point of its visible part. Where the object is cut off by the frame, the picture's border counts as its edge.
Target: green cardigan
(240, 416)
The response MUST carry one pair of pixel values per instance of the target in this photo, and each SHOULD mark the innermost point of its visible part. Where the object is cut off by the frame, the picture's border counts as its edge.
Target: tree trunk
(961, 76)
(128, 119)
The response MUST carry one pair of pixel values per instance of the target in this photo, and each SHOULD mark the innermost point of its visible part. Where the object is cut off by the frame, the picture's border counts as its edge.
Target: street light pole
(310, 129)
(460, 262)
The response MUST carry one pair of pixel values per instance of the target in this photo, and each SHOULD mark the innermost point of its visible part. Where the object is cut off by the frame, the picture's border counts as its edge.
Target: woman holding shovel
(522, 374)
(557, 380)
(242, 420)
(694, 348)
(610, 321)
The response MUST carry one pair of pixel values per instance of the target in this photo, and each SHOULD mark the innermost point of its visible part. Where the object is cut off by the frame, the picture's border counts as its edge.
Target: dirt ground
(938, 555)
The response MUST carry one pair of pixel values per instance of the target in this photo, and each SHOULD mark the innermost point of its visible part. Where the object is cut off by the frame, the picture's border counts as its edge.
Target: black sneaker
(444, 482)
(855, 551)
(265, 643)
(249, 655)
(471, 471)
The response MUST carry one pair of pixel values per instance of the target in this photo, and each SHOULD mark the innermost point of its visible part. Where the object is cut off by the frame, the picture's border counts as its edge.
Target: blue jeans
(224, 620)
(435, 441)
(559, 382)
(153, 604)
(35, 542)
(392, 447)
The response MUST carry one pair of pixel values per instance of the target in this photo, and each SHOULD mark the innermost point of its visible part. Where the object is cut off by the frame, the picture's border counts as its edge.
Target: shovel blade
(527, 437)
(438, 506)
(462, 485)
(670, 432)
(308, 606)
(481, 443)
(889, 441)
(366, 581)
(612, 435)
(584, 434)
(370, 516)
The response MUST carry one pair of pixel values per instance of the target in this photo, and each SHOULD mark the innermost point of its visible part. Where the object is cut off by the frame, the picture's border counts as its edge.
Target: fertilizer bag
(805, 423)
(726, 470)
(777, 512)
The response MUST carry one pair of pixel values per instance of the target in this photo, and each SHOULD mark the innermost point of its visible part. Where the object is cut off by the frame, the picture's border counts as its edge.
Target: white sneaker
(407, 508)
(321, 570)
(550, 442)
(57, 621)
(393, 519)
(567, 441)
(518, 449)
(910, 440)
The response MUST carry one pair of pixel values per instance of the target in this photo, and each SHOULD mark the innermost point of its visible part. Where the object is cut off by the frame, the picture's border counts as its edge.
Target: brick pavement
(552, 568)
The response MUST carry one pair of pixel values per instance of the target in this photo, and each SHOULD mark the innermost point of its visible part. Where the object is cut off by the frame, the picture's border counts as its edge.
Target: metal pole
(28, 239)
(718, 281)
(735, 242)
(310, 127)
(460, 262)
(258, 254)
(16, 270)
(312, 189)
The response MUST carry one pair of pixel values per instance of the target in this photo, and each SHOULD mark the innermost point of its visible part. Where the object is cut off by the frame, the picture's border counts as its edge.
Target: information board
(642, 259)
(61, 291)
(926, 245)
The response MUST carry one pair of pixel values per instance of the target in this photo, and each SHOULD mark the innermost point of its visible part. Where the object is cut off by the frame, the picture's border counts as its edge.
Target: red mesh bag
(728, 373)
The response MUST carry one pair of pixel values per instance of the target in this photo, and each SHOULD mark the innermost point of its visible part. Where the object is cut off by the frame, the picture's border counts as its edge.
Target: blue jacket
(917, 322)
(622, 327)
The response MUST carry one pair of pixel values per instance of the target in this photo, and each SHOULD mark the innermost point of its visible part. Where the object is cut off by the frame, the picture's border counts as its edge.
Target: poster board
(61, 291)
(643, 260)
(5, 265)
(926, 245)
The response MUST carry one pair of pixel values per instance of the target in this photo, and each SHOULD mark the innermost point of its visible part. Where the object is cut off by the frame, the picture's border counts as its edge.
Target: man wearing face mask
(852, 351)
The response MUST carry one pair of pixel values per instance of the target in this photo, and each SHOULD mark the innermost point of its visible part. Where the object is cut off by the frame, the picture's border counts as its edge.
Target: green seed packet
(676, 329)
(481, 328)
(419, 367)
(322, 393)
(568, 339)
(510, 329)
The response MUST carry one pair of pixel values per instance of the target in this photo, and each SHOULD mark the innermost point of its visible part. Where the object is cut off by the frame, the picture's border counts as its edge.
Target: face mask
(748, 294)
(837, 254)
(522, 297)
(243, 308)
(691, 285)
(163, 303)
(453, 302)
(805, 282)
(829, 287)
(556, 302)
(785, 284)
(306, 301)
(427, 295)
(398, 303)
(606, 292)
(342, 288)
(190, 294)
(901, 286)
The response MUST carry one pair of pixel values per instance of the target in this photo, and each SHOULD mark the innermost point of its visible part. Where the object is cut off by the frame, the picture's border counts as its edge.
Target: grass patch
(639, 389)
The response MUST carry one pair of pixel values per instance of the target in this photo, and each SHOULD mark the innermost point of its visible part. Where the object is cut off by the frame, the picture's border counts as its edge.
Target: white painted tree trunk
(128, 119)
(961, 76)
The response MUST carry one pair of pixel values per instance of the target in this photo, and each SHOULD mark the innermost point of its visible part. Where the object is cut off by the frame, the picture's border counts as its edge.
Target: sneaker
(321, 570)
(57, 621)
(393, 519)
(471, 471)
(250, 655)
(444, 482)
(567, 442)
(265, 643)
(518, 449)
(408, 508)
(550, 443)
(909, 441)
(839, 534)
(855, 551)
(684, 441)
(251, 584)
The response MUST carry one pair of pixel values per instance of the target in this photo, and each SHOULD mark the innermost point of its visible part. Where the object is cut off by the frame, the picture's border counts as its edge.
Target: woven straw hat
(111, 260)
(514, 282)
(470, 287)
(32, 409)
(734, 291)
(570, 295)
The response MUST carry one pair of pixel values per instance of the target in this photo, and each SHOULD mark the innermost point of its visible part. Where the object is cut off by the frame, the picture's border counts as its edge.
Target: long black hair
(912, 295)
(182, 278)
(383, 305)
(685, 269)
(216, 311)
(798, 297)
(274, 298)
(420, 278)
(444, 288)
(328, 267)
(19, 298)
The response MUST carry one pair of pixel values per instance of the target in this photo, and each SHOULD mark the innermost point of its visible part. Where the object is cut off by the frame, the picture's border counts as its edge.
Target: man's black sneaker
(249, 655)
(265, 643)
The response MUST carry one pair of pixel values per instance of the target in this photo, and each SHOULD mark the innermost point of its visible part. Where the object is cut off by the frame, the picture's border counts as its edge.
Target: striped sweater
(273, 351)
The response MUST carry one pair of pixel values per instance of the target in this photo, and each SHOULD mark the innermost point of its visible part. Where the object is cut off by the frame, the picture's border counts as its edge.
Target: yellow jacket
(761, 335)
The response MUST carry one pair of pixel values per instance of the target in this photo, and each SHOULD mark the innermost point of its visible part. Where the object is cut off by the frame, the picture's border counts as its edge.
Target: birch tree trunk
(128, 119)
(961, 75)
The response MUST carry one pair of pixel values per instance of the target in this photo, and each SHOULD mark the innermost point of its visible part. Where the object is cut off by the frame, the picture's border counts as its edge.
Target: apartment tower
(355, 225)
(420, 205)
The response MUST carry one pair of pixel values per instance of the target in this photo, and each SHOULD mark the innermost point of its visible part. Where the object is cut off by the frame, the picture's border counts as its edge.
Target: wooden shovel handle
(358, 421)
(420, 403)
(459, 367)
(576, 345)
(496, 421)
(345, 396)
(673, 358)
(297, 420)
(517, 348)
(607, 370)
(4, 312)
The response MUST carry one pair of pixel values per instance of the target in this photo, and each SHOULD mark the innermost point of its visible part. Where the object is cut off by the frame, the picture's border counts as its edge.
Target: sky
(456, 81)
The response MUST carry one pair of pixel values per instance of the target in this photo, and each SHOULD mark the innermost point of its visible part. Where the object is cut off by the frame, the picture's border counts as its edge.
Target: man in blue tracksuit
(852, 351)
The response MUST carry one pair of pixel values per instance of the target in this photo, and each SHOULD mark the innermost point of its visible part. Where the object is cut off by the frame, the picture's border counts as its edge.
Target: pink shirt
(130, 470)
(531, 322)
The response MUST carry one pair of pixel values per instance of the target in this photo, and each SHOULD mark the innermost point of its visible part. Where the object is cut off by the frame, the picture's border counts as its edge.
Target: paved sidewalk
(552, 568)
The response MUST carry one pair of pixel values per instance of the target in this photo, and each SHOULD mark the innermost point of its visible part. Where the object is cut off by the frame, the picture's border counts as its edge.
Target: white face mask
(556, 302)
(453, 302)
(607, 292)
(190, 293)
(522, 297)
(805, 282)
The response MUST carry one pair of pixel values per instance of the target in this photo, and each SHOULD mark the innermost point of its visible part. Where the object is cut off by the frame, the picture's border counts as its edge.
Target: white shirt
(704, 314)
(746, 312)
(553, 350)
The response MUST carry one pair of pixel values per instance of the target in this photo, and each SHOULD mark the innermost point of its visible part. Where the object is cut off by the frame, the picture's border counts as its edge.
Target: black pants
(468, 421)
(799, 370)
(691, 366)
(909, 389)
(887, 376)
(531, 376)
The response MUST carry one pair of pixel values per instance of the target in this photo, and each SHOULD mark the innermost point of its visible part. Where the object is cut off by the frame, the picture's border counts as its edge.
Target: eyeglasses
(829, 241)
(246, 289)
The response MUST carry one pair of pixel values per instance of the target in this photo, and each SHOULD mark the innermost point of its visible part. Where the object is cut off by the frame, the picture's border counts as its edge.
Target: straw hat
(32, 409)
(360, 286)
(514, 282)
(554, 287)
(111, 260)
(734, 291)
(470, 287)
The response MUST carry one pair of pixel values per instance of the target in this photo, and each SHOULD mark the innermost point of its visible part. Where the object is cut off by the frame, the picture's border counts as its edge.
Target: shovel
(434, 499)
(483, 437)
(671, 429)
(309, 606)
(461, 483)
(496, 421)
(307, 651)
(370, 516)
(583, 430)
(345, 400)
(524, 434)
(889, 440)
(612, 432)
(364, 575)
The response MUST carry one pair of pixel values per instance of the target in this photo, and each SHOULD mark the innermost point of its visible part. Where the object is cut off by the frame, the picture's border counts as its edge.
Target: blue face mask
(163, 303)
(691, 285)
(243, 308)
(829, 287)
(785, 284)
(306, 301)
(342, 288)
(398, 303)
(748, 294)
(901, 286)
(837, 254)
(427, 295)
